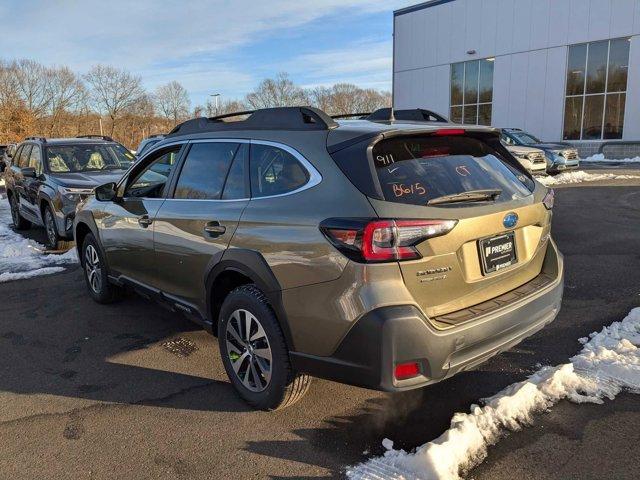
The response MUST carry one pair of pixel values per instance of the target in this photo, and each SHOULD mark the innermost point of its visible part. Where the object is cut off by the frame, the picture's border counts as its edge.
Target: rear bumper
(390, 335)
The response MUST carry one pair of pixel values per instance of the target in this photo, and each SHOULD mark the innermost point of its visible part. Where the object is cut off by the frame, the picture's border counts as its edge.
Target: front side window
(596, 90)
(23, 159)
(87, 158)
(151, 182)
(419, 169)
(16, 156)
(472, 92)
(275, 171)
(205, 170)
(35, 160)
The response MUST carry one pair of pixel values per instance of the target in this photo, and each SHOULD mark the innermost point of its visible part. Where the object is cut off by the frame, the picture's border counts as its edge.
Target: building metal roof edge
(420, 6)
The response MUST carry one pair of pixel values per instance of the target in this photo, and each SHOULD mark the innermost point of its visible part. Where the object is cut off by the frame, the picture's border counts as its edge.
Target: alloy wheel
(15, 213)
(92, 268)
(51, 228)
(249, 350)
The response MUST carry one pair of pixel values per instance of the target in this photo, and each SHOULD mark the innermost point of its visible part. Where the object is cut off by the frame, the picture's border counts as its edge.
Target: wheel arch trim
(252, 265)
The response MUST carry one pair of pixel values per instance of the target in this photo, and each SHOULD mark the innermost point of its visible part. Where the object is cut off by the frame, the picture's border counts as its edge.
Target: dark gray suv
(48, 177)
(388, 255)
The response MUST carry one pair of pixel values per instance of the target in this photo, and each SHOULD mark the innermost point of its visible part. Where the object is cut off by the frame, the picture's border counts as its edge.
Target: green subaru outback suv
(384, 254)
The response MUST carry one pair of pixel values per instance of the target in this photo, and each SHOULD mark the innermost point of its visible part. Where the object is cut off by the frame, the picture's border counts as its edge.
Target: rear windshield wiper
(469, 196)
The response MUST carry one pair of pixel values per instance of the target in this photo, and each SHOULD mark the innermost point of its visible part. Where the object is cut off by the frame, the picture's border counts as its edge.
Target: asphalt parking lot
(89, 391)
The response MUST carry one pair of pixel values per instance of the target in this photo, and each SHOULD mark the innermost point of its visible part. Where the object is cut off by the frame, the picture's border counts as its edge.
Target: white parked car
(532, 159)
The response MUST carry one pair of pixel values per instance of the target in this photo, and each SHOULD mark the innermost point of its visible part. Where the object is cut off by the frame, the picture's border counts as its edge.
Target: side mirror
(28, 172)
(106, 192)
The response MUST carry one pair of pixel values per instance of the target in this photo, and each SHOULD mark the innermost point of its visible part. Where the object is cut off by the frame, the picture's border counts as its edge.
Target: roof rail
(232, 114)
(414, 115)
(277, 118)
(101, 137)
(42, 139)
(351, 115)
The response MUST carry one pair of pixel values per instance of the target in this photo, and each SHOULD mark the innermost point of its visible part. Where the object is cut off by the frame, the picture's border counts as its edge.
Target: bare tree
(344, 98)
(35, 100)
(322, 98)
(277, 92)
(172, 101)
(8, 86)
(114, 91)
(227, 106)
(66, 92)
(371, 100)
(32, 86)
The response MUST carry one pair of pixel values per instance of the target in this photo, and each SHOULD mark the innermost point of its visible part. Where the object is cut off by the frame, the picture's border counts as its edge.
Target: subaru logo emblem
(510, 220)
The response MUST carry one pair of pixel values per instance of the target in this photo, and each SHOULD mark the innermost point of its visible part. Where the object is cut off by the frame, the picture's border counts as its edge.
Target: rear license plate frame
(496, 261)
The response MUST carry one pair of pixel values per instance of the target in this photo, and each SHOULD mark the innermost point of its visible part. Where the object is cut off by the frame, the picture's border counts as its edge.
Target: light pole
(216, 96)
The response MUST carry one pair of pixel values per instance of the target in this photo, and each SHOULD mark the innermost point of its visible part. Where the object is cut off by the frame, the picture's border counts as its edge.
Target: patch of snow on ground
(579, 176)
(608, 363)
(599, 158)
(23, 258)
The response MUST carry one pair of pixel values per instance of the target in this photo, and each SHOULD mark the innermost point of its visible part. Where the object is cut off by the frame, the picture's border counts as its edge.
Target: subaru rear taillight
(382, 240)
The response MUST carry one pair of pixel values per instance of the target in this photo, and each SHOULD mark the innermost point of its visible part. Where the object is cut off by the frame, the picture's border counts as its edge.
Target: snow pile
(599, 158)
(23, 258)
(608, 363)
(579, 176)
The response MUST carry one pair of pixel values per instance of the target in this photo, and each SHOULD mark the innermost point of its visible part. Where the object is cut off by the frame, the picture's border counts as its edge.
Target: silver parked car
(533, 159)
(560, 156)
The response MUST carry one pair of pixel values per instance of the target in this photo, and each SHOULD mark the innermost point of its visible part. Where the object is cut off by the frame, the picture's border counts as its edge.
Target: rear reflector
(382, 240)
(407, 370)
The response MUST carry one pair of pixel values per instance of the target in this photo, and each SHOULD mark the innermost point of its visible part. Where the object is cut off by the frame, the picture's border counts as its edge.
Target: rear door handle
(144, 221)
(214, 229)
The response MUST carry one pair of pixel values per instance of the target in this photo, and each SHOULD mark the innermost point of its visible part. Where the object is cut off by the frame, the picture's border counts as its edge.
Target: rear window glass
(416, 170)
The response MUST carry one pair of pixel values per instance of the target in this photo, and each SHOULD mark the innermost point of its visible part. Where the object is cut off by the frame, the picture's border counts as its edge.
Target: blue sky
(219, 46)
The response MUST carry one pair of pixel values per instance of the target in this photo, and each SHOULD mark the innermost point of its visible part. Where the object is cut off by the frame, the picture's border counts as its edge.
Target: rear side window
(416, 169)
(275, 171)
(205, 170)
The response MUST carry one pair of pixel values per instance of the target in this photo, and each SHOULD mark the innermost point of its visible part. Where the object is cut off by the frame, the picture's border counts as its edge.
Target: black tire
(18, 222)
(91, 259)
(285, 386)
(50, 227)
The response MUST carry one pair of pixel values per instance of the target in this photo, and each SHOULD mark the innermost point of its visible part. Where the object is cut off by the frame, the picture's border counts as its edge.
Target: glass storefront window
(472, 92)
(596, 90)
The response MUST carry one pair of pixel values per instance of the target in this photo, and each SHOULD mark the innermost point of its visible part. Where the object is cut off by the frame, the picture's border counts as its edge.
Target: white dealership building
(560, 69)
